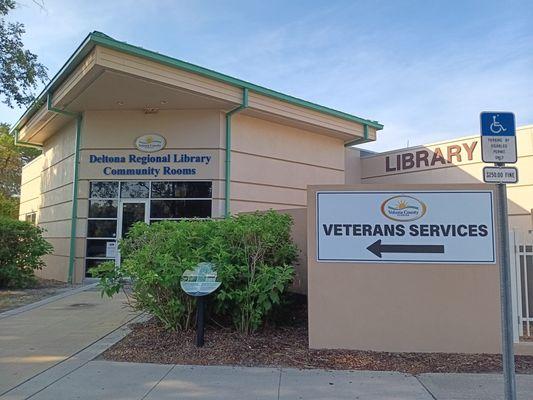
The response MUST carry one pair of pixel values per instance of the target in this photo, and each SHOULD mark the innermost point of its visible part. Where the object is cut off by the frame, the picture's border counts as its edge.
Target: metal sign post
(200, 320)
(505, 294)
(199, 283)
(499, 146)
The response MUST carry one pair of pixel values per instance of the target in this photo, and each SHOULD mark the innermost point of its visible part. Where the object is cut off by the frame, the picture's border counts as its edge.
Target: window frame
(31, 217)
(148, 199)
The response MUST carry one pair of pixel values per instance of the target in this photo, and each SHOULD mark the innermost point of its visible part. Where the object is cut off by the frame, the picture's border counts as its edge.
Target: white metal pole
(505, 294)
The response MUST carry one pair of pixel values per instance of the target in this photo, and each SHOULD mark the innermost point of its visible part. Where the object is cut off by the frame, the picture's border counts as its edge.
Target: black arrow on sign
(377, 248)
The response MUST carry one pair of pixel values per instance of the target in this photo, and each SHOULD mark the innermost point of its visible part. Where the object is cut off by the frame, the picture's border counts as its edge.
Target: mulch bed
(286, 346)
(13, 298)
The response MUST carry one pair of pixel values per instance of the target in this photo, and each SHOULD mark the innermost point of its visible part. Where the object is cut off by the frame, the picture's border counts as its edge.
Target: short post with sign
(498, 145)
(199, 283)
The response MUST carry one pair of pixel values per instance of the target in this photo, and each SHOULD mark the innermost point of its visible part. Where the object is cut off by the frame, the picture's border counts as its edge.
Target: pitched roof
(98, 38)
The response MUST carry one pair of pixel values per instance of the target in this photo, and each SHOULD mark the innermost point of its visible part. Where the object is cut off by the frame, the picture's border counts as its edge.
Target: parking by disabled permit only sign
(411, 226)
(498, 137)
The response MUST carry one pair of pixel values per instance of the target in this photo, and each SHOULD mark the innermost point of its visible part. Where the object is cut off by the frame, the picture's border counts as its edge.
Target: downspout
(364, 139)
(228, 150)
(74, 216)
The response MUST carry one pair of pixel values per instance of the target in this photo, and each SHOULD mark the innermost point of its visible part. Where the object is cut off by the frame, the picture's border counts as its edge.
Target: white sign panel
(111, 249)
(411, 226)
(500, 174)
(498, 149)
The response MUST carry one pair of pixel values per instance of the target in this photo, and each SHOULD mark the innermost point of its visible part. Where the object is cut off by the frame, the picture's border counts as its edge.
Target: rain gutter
(364, 139)
(25, 144)
(74, 216)
(229, 114)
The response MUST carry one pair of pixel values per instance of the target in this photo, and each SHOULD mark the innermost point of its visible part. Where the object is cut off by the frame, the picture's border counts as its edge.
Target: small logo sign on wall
(150, 143)
(403, 208)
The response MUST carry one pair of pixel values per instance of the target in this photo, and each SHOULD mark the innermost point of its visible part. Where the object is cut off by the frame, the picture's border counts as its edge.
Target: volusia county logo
(403, 208)
(150, 143)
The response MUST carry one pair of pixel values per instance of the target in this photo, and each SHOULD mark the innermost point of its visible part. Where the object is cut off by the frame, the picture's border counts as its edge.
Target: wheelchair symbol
(496, 127)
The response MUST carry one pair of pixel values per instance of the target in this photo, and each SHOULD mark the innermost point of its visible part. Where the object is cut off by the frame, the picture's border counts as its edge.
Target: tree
(9, 207)
(20, 73)
(12, 159)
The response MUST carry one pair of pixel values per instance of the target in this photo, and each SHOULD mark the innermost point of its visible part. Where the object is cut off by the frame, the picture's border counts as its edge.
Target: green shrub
(9, 206)
(21, 248)
(252, 254)
(260, 268)
(155, 257)
(111, 278)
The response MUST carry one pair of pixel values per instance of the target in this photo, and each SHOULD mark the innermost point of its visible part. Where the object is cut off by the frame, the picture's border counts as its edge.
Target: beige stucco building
(132, 135)
(454, 161)
(128, 134)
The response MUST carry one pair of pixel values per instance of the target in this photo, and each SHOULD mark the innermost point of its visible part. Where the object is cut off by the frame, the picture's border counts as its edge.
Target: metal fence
(522, 284)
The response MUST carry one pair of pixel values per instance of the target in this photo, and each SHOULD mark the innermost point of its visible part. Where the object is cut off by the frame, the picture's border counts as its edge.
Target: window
(163, 190)
(96, 248)
(102, 228)
(31, 218)
(174, 209)
(166, 200)
(91, 263)
(103, 209)
(176, 200)
(101, 223)
(106, 190)
(134, 190)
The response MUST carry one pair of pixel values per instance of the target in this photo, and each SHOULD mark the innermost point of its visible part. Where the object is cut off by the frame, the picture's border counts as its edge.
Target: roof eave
(98, 38)
(79, 54)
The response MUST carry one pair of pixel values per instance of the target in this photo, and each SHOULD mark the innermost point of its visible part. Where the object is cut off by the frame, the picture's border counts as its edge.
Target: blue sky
(425, 69)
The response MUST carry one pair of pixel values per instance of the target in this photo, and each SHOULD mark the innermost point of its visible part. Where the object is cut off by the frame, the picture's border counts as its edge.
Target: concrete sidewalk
(39, 336)
(48, 351)
(115, 380)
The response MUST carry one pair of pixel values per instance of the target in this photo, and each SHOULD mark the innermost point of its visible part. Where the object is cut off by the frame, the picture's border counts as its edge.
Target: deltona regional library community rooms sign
(150, 165)
(411, 226)
(150, 160)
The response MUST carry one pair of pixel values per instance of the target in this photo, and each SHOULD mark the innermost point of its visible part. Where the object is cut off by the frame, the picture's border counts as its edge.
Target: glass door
(130, 212)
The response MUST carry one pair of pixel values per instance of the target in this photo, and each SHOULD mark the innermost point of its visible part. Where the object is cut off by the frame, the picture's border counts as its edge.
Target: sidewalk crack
(158, 382)
(425, 387)
(279, 381)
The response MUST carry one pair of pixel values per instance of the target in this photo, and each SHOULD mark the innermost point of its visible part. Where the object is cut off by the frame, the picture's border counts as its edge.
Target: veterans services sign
(411, 226)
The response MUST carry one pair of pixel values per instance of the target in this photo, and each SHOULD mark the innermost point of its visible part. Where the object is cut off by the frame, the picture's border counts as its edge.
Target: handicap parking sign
(498, 137)
(497, 124)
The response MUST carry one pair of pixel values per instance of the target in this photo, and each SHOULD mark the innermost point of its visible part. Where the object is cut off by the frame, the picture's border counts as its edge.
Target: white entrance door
(129, 212)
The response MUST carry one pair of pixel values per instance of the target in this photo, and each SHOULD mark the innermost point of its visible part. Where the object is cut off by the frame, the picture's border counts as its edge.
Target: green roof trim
(101, 39)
